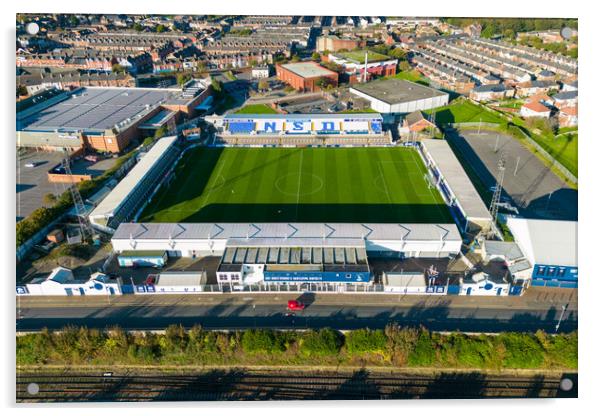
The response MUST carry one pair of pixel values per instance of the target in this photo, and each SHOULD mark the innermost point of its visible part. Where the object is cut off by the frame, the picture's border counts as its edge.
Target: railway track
(291, 385)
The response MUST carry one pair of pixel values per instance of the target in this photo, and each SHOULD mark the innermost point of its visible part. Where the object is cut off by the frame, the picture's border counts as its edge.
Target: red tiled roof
(569, 111)
(536, 106)
(539, 97)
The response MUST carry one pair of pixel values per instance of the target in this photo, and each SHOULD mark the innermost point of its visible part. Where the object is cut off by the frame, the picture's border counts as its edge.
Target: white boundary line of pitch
(410, 175)
(444, 211)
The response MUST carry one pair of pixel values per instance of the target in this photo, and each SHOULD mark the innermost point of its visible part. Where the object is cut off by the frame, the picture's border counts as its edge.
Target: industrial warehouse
(105, 119)
(398, 96)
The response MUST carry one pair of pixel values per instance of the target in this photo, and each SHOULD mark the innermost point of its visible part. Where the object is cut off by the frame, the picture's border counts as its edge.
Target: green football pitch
(298, 185)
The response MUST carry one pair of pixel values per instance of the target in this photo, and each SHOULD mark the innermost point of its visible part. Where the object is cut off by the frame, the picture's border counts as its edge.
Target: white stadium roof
(127, 185)
(546, 242)
(461, 186)
(319, 234)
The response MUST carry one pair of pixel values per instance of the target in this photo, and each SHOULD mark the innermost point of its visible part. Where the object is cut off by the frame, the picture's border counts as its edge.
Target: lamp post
(564, 308)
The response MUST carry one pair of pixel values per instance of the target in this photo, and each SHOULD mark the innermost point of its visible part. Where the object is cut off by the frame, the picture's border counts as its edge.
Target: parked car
(295, 305)
(33, 164)
(92, 158)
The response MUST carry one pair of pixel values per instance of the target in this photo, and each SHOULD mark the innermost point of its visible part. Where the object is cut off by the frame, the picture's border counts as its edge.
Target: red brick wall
(300, 83)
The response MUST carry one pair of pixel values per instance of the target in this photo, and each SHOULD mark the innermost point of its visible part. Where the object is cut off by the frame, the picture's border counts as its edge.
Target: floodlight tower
(78, 202)
(497, 193)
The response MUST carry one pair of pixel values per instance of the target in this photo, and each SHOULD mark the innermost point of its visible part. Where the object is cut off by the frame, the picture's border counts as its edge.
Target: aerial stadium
(287, 184)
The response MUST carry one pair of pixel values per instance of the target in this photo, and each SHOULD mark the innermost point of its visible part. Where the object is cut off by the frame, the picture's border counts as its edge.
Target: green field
(298, 184)
(464, 112)
(563, 148)
(412, 76)
(360, 56)
(256, 109)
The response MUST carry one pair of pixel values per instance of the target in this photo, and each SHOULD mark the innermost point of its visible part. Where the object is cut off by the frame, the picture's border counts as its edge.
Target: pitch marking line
(444, 211)
(412, 175)
(386, 189)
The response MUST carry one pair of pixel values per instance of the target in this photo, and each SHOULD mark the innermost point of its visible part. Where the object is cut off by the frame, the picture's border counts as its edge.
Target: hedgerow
(395, 346)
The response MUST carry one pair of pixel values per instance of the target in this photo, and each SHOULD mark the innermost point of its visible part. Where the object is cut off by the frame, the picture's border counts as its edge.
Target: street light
(564, 308)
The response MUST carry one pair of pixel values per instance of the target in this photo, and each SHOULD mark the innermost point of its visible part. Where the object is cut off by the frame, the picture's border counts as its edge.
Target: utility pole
(564, 308)
(497, 193)
(497, 142)
(80, 208)
(516, 168)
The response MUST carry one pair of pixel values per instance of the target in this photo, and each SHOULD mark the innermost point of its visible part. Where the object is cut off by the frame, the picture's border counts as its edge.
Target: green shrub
(326, 341)
(261, 340)
(563, 350)
(402, 346)
(425, 352)
(33, 348)
(473, 352)
(366, 341)
(521, 350)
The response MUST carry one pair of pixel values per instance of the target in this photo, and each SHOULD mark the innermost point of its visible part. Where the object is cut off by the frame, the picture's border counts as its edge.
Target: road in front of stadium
(538, 309)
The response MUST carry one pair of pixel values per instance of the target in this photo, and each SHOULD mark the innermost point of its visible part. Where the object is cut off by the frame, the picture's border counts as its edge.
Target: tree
(488, 31)
(397, 53)
(509, 34)
(73, 20)
(160, 28)
(295, 58)
(160, 132)
(182, 79)
(49, 199)
(148, 141)
(118, 69)
(216, 85)
(323, 82)
(404, 66)
(315, 56)
(21, 90)
(138, 27)
(262, 85)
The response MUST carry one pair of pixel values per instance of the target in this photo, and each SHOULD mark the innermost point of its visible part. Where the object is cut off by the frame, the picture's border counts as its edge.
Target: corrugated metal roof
(456, 177)
(288, 234)
(128, 184)
(181, 279)
(509, 250)
(546, 242)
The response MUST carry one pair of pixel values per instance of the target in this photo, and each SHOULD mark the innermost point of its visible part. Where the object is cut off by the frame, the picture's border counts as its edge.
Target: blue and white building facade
(298, 124)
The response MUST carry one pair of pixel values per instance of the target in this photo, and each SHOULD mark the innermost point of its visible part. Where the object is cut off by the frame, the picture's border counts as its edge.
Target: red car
(295, 305)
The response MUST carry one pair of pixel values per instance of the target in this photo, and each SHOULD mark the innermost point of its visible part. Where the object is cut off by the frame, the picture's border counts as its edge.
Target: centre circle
(295, 184)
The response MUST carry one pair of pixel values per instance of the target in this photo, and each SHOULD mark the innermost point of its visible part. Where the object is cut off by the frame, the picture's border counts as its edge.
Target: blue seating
(241, 126)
